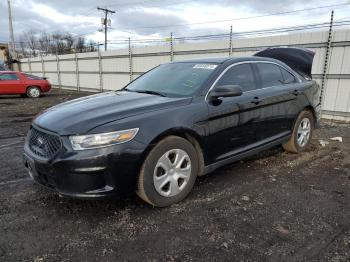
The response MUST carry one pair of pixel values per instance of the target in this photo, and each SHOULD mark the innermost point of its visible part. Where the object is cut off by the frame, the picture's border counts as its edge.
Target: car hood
(299, 59)
(83, 114)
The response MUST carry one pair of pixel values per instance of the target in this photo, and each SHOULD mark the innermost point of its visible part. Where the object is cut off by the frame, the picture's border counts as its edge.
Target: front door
(232, 120)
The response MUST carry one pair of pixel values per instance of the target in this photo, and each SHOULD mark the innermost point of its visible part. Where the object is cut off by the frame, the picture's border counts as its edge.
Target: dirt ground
(273, 207)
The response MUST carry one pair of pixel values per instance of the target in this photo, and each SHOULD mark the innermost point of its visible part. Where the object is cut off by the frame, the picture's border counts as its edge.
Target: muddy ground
(273, 207)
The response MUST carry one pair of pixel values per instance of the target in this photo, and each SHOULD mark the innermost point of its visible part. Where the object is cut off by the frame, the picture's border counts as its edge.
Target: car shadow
(104, 207)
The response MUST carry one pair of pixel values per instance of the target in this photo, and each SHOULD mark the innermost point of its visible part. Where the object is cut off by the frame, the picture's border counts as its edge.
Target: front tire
(302, 133)
(169, 172)
(33, 92)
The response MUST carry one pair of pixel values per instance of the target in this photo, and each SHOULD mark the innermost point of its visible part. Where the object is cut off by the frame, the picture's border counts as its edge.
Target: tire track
(15, 181)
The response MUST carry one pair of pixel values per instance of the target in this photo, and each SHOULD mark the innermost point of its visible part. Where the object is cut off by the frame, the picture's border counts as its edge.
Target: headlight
(102, 140)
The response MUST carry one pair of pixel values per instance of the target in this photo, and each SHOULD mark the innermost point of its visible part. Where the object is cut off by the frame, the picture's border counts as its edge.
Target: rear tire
(33, 92)
(169, 172)
(302, 133)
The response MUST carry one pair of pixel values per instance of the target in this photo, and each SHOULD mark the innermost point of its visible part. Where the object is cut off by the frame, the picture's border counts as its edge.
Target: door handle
(256, 100)
(296, 92)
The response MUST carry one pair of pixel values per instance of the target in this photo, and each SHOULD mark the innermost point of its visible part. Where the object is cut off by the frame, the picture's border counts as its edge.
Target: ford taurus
(178, 121)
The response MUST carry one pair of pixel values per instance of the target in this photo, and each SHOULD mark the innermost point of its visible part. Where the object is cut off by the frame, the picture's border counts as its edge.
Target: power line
(136, 3)
(246, 33)
(218, 21)
(88, 12)
(241, 18)
(339, 22)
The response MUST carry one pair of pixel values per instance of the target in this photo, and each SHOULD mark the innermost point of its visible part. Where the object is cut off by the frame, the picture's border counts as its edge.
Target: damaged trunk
(299, 59)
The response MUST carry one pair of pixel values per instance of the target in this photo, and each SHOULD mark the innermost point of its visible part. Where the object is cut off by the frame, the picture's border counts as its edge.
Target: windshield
(175, 79)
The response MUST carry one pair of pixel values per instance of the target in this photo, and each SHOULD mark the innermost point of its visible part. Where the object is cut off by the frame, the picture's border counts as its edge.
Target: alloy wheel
(304, 130)
(34, 92)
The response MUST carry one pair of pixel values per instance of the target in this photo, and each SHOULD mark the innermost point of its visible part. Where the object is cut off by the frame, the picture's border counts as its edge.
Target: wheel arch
(38, 86)
(306, 108)
(185, 133)
(312, 110)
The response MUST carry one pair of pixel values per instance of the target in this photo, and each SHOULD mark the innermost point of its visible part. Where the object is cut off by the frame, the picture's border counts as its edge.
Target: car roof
(221, 60)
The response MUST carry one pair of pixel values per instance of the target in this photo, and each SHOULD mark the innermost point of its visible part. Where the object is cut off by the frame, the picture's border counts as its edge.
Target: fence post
(130, 61)
(42, 65)
(231, 43)
(77, 71)
(100, 69)
(30, 65)
(171, 47)
(58, 71)
(326, 59)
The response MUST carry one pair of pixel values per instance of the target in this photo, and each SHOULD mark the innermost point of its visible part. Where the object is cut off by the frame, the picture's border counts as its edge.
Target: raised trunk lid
(299, 59)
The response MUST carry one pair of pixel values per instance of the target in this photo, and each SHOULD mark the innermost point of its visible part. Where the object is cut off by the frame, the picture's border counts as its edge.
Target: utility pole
(13, 47)
(106, 11)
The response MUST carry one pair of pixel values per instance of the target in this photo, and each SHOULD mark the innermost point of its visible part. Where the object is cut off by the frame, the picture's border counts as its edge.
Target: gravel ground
(275, 206)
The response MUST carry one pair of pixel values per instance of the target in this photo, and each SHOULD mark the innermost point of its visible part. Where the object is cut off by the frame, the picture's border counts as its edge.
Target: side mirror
(226, 91)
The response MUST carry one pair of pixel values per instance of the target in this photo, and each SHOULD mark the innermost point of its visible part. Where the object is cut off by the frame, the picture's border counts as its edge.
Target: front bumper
(93, 173)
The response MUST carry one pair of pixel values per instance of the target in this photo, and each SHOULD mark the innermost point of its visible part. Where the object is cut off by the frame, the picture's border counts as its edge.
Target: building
(3, 55)
(3, 51)
(5, 61)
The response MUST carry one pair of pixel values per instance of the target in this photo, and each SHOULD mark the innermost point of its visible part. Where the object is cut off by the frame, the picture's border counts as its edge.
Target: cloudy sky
(140, 19)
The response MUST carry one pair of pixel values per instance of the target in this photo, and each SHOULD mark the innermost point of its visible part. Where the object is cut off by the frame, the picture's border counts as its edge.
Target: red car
(12, 83)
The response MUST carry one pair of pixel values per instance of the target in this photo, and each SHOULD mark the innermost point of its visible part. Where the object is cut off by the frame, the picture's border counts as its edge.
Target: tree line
(42, 43)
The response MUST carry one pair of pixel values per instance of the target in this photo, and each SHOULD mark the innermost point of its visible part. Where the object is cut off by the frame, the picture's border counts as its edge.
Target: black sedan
(178, 121)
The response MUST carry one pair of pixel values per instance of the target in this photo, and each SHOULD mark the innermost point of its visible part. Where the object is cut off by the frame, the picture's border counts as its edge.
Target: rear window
(288, 77)
(33, 77)
(270, 74)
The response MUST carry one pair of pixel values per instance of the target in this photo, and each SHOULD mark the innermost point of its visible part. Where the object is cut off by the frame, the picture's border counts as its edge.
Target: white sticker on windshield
(205, 66)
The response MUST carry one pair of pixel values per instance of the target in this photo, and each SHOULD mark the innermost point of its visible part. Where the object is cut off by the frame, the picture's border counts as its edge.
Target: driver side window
(241, 75)
(8, 77)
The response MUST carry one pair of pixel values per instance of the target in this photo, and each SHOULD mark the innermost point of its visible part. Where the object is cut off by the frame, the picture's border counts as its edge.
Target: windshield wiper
(150, 92)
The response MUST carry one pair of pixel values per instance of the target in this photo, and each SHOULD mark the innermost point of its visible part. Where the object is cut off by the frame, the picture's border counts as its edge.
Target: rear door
(10, 83)
(232, 120)
(278, 93)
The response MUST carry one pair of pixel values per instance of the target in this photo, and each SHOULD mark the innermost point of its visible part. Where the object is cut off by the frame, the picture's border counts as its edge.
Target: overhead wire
(225, 35)
(246, 33)
(242, 18)
(218, 21)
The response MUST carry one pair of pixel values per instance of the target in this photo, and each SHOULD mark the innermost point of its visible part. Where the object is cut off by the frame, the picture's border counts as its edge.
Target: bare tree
(57, 43)
(23, 46)
(45, 43)
(91, 46)
(80, 44)
(63, 42)
(69, 41)
(32, 41)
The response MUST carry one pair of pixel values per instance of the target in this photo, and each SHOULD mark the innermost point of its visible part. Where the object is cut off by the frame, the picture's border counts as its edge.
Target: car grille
(43, 144)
